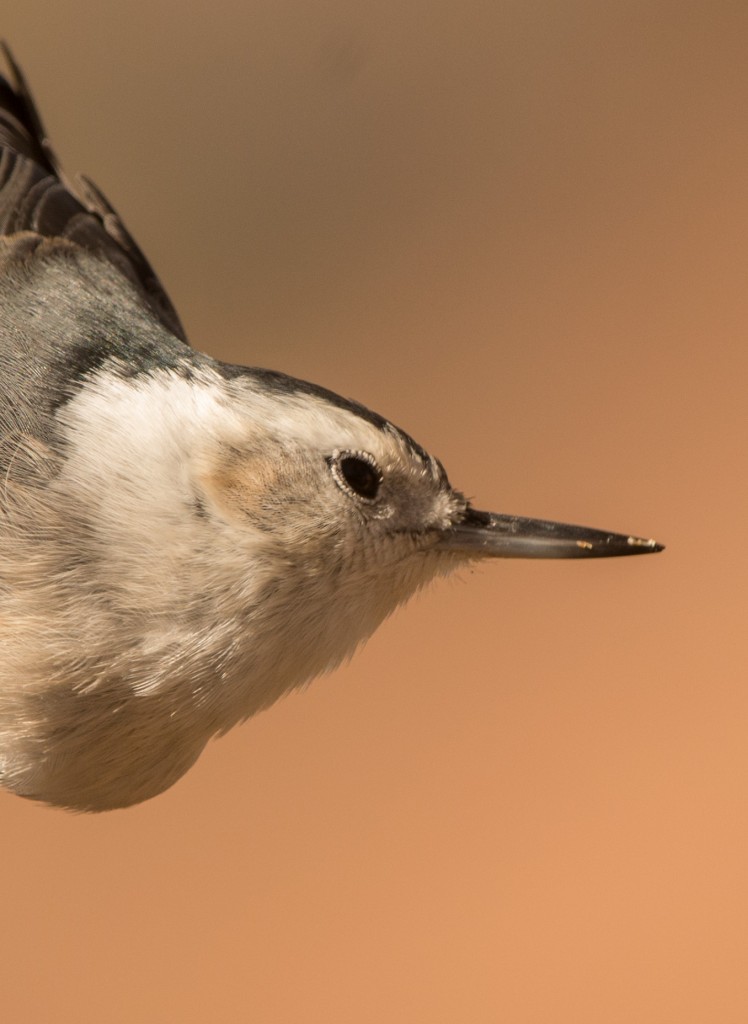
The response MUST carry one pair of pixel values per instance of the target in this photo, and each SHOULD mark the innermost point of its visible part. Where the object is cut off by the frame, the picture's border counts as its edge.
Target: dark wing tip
(18, 95)
(36, 196)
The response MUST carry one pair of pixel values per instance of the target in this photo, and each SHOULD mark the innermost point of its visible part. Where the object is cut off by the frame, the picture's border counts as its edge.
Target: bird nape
(181, 541)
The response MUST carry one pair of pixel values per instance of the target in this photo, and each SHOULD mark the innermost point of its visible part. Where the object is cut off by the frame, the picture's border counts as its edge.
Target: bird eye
(357, 472)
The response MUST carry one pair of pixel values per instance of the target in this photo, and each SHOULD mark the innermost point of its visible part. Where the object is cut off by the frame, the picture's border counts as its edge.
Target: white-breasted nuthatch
(181, 541)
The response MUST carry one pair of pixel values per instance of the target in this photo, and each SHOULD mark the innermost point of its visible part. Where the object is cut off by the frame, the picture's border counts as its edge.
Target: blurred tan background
(519, 230)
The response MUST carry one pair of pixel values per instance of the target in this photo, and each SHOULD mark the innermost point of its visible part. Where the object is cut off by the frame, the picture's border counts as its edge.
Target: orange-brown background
(520, 230)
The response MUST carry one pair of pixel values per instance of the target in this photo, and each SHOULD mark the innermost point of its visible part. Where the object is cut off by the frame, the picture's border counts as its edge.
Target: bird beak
(490, 535)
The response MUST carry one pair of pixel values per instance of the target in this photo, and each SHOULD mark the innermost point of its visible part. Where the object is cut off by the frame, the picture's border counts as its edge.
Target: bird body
(181, 541)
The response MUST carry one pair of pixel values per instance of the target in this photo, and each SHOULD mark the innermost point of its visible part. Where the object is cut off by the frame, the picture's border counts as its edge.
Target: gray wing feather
(36, 196)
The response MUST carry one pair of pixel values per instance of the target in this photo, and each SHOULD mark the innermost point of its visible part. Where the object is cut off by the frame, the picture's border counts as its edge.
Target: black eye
(358, 472)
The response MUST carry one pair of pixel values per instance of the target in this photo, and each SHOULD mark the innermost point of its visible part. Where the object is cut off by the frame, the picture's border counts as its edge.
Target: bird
(182, 541)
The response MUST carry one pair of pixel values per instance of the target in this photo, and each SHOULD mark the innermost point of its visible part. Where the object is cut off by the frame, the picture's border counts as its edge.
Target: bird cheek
(237, 491)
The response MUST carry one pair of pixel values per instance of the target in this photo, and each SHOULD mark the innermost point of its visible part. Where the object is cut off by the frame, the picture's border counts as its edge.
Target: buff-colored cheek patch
(238, 485)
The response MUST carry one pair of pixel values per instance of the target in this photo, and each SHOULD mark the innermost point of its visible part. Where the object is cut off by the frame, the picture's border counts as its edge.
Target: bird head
(257, 528)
